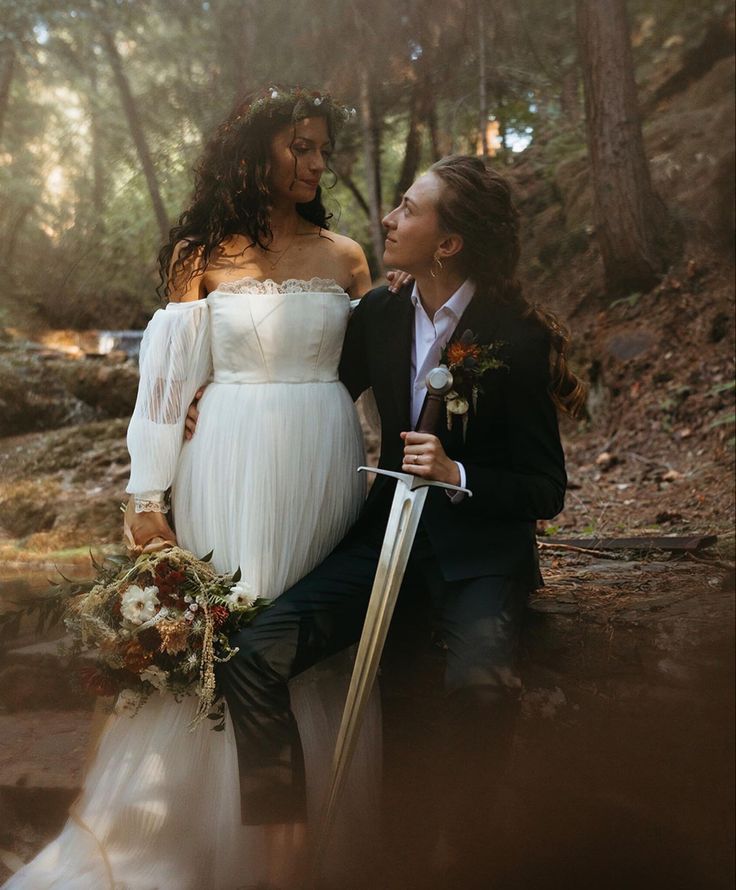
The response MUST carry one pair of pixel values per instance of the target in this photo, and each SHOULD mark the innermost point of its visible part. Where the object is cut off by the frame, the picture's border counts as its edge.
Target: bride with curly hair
(259, 292)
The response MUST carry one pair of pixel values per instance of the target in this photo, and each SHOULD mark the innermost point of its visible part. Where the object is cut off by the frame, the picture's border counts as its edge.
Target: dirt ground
(621, 773)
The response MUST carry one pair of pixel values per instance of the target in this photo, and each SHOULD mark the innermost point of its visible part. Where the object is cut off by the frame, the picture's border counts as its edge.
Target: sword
(403, 522)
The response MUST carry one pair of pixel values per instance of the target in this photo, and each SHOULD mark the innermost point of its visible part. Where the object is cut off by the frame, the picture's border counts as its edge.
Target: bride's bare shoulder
(341, 244)
(186, 275)
(352, 262)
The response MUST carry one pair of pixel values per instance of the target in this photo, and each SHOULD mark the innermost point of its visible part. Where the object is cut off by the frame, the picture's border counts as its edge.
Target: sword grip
(439, 383)
(430, 414)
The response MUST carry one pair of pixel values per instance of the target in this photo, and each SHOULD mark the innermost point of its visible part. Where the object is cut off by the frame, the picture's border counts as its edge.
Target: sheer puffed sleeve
(175, 360)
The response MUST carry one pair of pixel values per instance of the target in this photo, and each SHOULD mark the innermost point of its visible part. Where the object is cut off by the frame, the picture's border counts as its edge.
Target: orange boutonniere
(467, 361)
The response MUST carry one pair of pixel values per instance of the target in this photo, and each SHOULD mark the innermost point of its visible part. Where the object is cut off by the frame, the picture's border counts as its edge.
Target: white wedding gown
(269, 484)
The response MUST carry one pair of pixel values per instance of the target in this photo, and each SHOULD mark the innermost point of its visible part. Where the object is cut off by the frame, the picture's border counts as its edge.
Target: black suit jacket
(511, 453)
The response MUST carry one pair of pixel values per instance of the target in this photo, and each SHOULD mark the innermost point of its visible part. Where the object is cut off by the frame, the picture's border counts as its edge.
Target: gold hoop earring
(436, 265)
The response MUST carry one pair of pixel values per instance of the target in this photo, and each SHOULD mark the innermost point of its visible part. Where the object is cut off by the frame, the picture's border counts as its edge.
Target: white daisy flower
(156, 676)
(128, 702)
(241, 597)
(139, 604)
(457, 405)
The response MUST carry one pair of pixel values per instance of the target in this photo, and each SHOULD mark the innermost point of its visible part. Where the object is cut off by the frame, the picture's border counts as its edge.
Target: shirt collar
(456, 305)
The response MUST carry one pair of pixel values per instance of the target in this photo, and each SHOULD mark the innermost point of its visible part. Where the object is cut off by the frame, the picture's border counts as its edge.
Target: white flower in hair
(139, 604)
(317, 100)
(241, 596)
(274, 93)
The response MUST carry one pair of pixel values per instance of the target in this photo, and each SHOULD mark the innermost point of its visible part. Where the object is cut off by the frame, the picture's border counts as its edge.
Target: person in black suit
(457, 232)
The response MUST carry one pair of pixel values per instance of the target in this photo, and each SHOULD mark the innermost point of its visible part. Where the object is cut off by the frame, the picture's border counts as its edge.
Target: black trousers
(479, 621)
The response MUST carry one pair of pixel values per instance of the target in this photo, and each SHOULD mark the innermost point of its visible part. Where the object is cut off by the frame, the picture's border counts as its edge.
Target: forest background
(614, 122)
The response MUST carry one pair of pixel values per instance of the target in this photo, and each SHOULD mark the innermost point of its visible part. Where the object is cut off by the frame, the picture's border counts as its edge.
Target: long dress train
(269, 484)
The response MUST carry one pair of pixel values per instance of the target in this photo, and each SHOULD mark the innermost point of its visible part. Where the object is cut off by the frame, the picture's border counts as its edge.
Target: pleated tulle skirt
(269, 481)
(269, 484)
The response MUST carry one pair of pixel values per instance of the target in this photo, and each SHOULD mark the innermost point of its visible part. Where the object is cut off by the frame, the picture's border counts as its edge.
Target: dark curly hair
(231, 192)
(477, 204)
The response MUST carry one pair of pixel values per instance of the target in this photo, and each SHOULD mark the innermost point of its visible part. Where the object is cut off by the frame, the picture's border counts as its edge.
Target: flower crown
(277, 100)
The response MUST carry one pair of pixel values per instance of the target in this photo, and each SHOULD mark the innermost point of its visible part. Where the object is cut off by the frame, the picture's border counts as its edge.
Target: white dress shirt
(430, 338)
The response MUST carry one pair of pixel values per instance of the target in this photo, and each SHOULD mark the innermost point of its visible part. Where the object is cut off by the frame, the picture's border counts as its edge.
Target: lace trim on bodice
(290, 286)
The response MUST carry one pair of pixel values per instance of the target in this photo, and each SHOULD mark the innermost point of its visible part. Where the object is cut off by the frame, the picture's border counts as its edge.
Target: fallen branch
(643, 543)
(716, 563)
(546, 545)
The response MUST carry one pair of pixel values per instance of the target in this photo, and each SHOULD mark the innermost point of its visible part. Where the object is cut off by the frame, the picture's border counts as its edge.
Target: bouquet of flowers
(160, 622)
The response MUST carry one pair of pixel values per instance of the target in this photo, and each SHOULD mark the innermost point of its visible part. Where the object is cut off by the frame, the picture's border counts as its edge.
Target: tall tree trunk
(15, 229)
(570, 95)
(422, 115)
(98, 164)
(636, 235)
(356, 193)
(482, 92)
(136, 130)
(237, 28)
(372, 156)
(434, 134)
(501, 117)
(7, 66)
(413, 144)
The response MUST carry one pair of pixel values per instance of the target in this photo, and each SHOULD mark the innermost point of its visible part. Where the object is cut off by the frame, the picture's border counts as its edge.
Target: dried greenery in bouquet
(157, 623)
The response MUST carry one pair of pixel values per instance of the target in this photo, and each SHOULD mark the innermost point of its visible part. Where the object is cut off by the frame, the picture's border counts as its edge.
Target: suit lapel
(477, 318)
(398, 358)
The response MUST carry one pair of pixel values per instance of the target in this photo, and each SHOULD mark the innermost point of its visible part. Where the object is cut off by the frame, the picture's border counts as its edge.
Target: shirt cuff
(457, 496)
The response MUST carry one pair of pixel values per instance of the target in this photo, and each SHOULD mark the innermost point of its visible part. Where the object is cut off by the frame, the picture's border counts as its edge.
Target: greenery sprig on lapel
(467, 360)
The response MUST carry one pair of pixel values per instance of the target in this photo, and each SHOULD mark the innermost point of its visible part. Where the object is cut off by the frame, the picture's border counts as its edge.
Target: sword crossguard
(412, 483)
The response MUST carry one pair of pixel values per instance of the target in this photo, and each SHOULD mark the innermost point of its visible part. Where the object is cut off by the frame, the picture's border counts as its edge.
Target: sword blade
(406, 510)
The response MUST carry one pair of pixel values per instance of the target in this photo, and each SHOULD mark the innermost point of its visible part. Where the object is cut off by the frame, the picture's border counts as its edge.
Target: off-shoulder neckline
(248, 285)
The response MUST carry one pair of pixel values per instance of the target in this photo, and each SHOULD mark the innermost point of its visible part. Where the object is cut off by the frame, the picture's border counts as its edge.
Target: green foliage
(722, 421)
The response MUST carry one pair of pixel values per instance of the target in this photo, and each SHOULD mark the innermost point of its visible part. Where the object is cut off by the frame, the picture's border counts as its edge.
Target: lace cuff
(151, 502)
